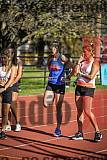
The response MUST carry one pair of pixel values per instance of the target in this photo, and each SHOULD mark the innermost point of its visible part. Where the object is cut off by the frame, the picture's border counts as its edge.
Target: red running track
(36, 140)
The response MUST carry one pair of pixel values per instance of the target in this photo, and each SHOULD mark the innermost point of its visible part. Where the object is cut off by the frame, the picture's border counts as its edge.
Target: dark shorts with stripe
(84, 91)
(7, 96)
(15, 87)
(59, 89)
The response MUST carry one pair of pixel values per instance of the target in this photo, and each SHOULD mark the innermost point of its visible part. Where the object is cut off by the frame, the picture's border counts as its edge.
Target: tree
(70, 19)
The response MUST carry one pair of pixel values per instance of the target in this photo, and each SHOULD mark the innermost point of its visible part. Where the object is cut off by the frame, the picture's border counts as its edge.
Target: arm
(66, 60)
(11, 79)
(19, 73)
(77, 67)
(69, 64)
(94, 70)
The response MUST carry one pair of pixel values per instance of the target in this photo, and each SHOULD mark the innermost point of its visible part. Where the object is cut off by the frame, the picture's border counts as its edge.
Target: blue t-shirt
(56, 69)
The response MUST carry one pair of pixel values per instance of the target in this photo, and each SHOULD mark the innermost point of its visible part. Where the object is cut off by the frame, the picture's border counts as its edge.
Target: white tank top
(4, 75)
(86, 69)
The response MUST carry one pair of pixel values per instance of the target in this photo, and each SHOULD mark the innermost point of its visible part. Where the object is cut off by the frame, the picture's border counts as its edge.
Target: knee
(89, 114)
(79, 111)
(14, 101)
(47, 104)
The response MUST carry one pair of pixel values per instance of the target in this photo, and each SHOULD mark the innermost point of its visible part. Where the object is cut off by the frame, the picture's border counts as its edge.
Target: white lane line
(3, 157)
(48, 140)
(105, 150)
(22, 145)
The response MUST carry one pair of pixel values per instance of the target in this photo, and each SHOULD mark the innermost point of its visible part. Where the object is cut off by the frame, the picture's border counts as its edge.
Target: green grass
(34, 86)
(34, 83)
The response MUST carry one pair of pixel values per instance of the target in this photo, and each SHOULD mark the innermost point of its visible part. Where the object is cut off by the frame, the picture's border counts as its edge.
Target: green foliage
(38, 17)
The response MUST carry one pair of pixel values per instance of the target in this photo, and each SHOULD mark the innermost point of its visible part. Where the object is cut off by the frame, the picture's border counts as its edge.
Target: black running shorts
(84, 91)
(15, 87)
(59, 89)
(7, 96)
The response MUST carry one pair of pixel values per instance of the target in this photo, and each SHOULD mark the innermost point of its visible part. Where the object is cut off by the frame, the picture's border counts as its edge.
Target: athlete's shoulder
(64, 58)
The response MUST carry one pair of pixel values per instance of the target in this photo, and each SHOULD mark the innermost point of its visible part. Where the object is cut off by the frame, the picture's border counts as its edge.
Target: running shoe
(57, 132)
(78, 136)
(18, 127)
(98, 136)
(8, 128)
(3, 135)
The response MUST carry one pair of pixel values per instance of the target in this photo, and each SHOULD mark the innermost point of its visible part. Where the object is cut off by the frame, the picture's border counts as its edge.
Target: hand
(80, 73)
(3, 82)
(80, 59)
(1, 86)
(68, 78)
(77, 69)
(83, 74)
(2, 89)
